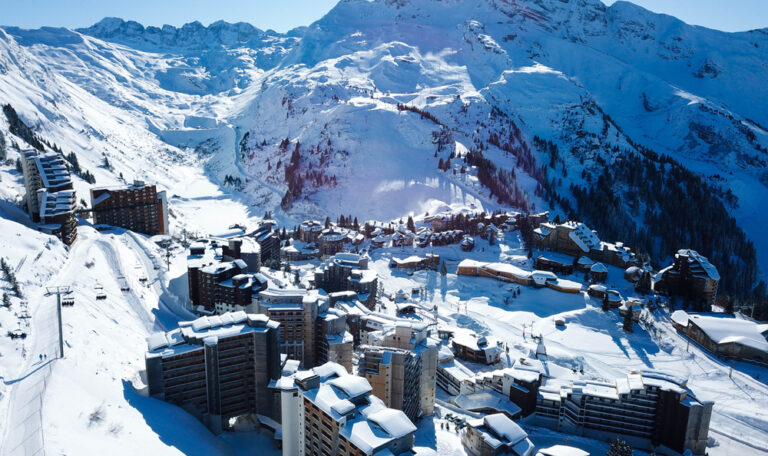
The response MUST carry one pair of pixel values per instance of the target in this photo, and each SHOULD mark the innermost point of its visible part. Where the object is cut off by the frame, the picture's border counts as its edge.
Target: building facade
(645, 410)
(329, 412)
(496, 434)
(138, 207)
(691, 276)
(50, 198)
(217, 368)
(297, 311)
(345, 272)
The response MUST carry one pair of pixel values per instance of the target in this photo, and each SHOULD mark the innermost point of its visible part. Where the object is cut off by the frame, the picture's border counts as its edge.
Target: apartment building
(577, 239)
(332, 340)
(138, 207)
(476, 349)
(310, 230)
(57, 214)
(50, 198)
(297, 311)
(400, 361)
(691, 276)
(222, 274)
(327, 411)
(217, 367)
(348, 271)
(331, 241)
(648, 410)
(394, 375)
(268, 240)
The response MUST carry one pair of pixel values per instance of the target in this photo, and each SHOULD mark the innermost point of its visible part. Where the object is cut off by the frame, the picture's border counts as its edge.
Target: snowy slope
(205, 113)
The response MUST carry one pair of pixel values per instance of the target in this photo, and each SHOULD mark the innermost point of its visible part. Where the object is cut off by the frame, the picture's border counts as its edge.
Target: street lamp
(58, 291)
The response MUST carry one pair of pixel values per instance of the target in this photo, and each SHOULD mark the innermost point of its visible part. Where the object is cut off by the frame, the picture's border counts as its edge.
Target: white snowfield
(186, 108)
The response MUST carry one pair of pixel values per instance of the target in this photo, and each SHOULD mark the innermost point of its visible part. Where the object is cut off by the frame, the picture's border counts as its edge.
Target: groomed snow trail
(24, 434)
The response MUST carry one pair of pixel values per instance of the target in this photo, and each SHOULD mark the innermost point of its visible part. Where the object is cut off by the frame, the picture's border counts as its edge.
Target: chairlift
(68, 301)
(17, 334)
(101, 296)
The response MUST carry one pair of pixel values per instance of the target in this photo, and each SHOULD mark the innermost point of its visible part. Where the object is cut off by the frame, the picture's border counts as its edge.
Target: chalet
(598, 272)
(380, 241)
(575, 238)
(555, 262)
(446, 237)
(403, 238)
(469, 347)
(467, 243)
(430, 261)
(491, 231)
(691, 276)
(724, 335)
(585, 263)
(597, 291)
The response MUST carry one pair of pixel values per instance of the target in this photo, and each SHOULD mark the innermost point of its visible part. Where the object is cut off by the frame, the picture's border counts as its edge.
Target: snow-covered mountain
(377, 93)
(652, 131)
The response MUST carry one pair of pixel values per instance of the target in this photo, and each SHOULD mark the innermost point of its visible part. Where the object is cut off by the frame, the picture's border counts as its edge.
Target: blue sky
(282, 15)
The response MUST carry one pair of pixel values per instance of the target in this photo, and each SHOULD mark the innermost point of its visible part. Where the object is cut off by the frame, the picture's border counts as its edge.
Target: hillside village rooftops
(723, 329)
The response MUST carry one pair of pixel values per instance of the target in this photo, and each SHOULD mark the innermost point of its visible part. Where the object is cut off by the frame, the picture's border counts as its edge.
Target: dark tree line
(10, 277)
(501, 183)
(677, 209)
(22, 130)
(424, 114)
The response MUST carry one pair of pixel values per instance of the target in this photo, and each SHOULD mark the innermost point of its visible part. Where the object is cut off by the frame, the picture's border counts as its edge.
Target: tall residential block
(50, 198)
(138, 207)
(217, 368)
(328, 412)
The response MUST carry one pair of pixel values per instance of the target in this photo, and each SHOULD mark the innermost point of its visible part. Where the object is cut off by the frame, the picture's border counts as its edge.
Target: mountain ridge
(376, 93)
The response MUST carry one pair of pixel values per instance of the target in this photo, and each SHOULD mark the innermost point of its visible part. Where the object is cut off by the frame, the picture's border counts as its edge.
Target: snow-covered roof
(369, 425)
(561, 450)
(352, 385)
(486, 400)
(582, 236)
(724, 329)
(586, 261)
(193, 334)
(598, 267)
(680, 317)
(699, 265)
(498, 430)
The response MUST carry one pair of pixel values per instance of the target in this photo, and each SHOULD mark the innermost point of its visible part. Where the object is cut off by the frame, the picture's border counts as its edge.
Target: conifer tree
(629, 325)
(619, 448)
